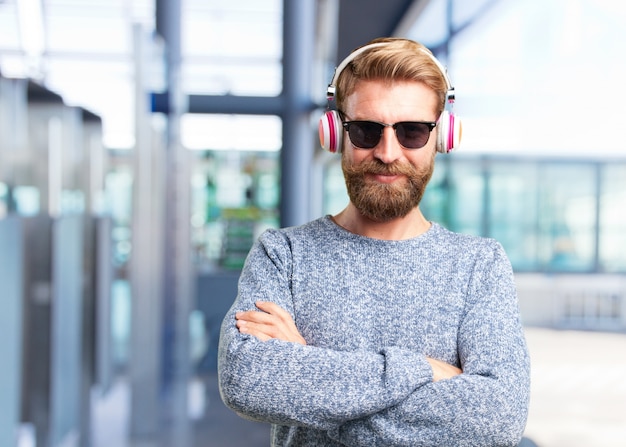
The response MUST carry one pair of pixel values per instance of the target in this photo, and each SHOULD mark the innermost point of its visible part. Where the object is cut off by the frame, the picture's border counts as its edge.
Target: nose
(388, 148)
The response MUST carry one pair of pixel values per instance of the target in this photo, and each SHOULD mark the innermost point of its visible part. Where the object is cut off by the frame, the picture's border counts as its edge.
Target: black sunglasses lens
(364, 134)
(412, 135)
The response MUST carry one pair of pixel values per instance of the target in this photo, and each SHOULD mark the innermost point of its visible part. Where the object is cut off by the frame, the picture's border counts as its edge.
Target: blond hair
(397, 60)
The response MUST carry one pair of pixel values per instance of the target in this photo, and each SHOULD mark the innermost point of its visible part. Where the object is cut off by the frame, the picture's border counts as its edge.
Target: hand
(443, 370)
(272, 322)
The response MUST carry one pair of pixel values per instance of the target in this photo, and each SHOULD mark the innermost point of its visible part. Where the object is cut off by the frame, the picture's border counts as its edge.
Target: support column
(178, 271)
(11, 314)
(298, 140)
(145, 262)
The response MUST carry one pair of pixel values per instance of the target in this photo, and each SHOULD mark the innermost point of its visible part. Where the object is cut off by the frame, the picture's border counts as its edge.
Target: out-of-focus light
(32, 29)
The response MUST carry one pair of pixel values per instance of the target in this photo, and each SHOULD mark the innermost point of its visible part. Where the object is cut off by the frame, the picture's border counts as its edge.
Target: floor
(221, 427)
(578, 400)
(213, 424)
(578, 392)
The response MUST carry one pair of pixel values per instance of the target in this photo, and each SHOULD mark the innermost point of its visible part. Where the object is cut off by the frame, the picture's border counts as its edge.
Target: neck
(407, 227)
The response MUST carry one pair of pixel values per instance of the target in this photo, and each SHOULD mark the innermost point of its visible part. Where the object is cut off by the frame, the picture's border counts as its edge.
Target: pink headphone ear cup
(330, 131)
(449, 132)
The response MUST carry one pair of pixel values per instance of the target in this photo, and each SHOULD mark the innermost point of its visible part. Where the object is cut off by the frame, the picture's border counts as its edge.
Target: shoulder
(461, 241)
(315, 233)
(312, 229)
(287, 247)
(481, 262)
(467, 252)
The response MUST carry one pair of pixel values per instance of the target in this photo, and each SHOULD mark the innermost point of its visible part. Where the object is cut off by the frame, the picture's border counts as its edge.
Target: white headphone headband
(332, 86)
(331, 90)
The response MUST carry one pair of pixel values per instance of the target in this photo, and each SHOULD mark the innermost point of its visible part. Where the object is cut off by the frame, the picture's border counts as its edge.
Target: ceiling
(363, 20)
(83, 49)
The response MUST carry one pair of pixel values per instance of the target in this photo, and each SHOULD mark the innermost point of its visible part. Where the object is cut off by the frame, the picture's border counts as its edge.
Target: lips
(383, 178)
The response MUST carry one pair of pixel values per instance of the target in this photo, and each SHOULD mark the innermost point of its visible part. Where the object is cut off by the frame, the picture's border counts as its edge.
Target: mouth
(383, 178)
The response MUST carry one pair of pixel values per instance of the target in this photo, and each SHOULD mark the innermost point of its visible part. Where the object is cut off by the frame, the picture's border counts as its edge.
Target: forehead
(385, 100)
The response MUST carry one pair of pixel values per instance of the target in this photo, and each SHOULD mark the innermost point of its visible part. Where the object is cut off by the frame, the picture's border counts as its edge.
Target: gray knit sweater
(371, 312)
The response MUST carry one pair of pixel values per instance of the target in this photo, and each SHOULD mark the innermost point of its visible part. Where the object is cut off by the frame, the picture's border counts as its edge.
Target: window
(612, 235)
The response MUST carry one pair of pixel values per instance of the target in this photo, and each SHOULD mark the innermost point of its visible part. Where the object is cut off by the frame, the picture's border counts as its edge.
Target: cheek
(423, 156)
(353, 156)
(347, 154)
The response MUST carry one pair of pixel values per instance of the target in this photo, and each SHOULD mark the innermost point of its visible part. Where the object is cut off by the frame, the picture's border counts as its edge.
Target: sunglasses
(410, 134)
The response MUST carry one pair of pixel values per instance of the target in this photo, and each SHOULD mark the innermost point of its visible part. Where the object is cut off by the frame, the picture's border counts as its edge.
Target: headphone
(330, 126)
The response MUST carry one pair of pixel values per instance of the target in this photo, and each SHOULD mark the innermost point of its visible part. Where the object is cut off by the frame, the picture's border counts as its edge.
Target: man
(376, 327)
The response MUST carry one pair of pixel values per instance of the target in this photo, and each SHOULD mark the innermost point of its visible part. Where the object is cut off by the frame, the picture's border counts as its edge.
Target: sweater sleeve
(487, 405)
(291, 384)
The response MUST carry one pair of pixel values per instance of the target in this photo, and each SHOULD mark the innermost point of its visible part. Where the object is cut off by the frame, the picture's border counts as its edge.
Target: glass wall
(612, 219)
(550, 216)
(512, 210)
(235, 196)
(567, 217)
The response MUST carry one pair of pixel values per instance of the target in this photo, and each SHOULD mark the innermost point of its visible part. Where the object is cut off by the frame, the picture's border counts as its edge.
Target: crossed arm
(419, 416)
(273, 322)
(269, 373)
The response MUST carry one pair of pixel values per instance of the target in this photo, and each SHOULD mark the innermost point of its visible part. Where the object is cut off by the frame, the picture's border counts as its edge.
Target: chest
(364, 308)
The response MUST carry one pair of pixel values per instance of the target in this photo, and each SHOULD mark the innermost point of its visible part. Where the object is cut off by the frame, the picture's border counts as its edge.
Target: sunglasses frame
(430, 124)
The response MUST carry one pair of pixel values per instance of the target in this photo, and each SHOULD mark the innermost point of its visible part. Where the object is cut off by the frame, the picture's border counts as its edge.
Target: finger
(270, 321)
(255, 316)
(273, 309)
(443, 370)
(259, 330)
(245, 329)
(266, 308)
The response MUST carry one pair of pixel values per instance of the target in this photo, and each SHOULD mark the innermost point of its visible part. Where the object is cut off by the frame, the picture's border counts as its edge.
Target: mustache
(377, 167)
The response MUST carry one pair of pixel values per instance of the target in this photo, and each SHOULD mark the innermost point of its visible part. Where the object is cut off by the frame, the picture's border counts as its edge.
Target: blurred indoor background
(144, 144)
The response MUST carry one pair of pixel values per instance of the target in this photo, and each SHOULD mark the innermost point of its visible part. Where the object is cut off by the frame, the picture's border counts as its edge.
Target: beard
(382, 202)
